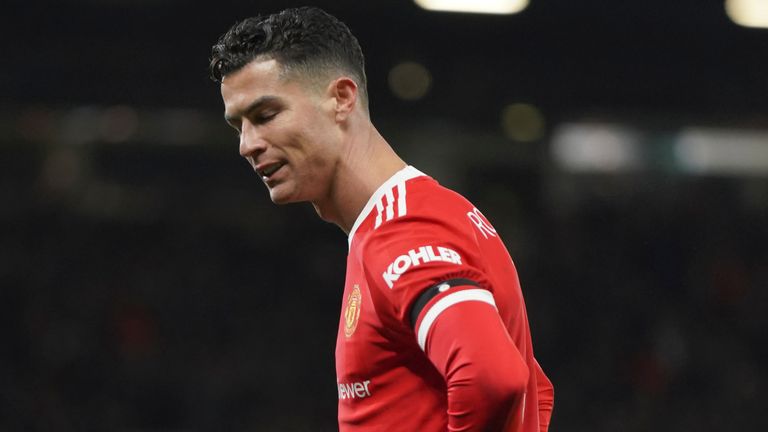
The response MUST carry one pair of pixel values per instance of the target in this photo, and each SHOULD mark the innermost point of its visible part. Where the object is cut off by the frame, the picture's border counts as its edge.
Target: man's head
(293, 87)
(306, 42)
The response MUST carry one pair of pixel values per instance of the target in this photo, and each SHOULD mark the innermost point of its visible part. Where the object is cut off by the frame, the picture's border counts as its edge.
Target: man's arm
(485, 373)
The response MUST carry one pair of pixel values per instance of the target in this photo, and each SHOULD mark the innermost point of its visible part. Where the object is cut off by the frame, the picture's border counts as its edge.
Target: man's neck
(366, 166)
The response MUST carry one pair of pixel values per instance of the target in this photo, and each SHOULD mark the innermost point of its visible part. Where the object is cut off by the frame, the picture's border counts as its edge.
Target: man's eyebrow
(253, 106)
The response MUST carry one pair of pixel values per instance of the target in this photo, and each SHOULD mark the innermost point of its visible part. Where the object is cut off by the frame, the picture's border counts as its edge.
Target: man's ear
(345, 93)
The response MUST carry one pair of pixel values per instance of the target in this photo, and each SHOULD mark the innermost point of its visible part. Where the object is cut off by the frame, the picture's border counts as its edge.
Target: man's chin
(281, 198)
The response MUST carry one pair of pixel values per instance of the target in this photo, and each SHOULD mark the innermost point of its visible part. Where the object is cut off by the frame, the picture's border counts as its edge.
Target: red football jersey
(421, 260)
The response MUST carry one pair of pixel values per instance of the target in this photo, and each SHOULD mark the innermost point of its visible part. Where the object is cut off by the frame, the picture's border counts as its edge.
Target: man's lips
(266, 170)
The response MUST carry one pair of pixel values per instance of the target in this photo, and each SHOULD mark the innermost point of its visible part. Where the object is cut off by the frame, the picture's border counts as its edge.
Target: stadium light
(748, 13)
(722, 151)
(475, 6)
(522, 122)
(410, 81)
(582, 147)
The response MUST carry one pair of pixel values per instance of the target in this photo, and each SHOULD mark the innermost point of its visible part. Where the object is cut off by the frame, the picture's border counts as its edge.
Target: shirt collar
(403, 175)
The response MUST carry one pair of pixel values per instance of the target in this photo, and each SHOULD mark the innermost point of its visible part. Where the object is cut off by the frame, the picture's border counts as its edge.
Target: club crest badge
(352, 311)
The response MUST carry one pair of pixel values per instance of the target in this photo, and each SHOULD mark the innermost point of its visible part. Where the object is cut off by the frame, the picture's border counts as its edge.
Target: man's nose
(251, 141)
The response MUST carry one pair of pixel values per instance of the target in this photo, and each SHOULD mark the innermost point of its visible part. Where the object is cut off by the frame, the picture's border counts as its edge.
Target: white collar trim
(403, 175)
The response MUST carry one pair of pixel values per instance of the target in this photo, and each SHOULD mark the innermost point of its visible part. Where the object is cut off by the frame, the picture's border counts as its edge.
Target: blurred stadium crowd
(148, 284)
(203, 307)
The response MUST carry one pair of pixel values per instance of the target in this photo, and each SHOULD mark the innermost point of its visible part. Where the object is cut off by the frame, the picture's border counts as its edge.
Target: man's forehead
(257, 71)
(255, 79)
(267, 75)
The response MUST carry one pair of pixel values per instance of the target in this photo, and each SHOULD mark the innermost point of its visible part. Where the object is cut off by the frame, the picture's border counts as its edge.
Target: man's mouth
(267, 171)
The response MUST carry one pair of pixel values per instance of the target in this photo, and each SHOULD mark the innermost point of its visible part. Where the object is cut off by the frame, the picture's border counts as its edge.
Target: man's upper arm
(405, 258)
(437, 288)
(463, 336)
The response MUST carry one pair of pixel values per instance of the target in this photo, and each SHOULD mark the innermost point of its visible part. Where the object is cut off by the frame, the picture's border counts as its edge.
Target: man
(433, 334)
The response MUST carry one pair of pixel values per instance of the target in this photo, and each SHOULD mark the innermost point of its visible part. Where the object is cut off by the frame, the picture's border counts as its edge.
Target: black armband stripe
(434, 290)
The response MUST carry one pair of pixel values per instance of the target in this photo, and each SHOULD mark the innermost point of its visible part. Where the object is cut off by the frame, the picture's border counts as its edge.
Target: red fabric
(485, 374)
(546, 398)
(411, 235)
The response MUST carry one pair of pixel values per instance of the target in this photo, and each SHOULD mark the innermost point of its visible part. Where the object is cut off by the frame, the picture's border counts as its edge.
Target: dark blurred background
(147, 283)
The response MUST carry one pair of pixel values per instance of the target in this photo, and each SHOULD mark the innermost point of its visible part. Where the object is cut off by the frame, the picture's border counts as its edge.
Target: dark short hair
(305, 39)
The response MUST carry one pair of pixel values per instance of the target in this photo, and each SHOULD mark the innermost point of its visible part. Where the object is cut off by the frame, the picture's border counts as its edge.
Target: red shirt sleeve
(464, 336)
(405, 257)
(485, 374)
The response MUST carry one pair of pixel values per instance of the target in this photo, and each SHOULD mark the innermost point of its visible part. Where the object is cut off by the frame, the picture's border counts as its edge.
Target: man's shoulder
(411, 210)
(424, 210)
(427, 197)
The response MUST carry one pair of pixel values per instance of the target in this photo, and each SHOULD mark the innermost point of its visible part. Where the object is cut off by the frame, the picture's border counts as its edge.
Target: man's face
(287, 130)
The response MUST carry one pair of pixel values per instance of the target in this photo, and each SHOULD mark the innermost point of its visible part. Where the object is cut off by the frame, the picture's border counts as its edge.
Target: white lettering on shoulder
(481, 223)
(417, 257)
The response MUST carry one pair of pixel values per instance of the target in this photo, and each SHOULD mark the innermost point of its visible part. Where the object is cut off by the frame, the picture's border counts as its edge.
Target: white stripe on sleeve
(390, 202)
(444, 303)
(401, 210)
(379, 210)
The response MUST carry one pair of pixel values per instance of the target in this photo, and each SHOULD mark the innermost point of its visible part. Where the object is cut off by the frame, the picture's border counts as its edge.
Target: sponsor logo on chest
(417, 257)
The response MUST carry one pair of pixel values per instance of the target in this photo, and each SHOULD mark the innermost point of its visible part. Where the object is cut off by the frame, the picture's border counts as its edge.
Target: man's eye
(267, 116)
